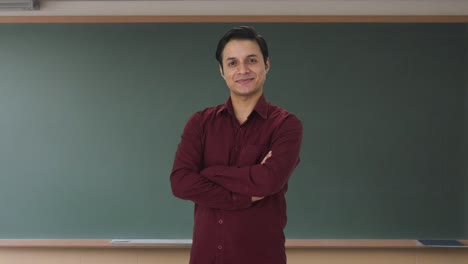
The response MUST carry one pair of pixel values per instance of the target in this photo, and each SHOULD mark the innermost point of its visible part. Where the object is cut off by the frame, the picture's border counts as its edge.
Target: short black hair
(242, 32)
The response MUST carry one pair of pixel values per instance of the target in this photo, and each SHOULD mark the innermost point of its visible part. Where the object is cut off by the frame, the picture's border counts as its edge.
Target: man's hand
(254, 199)
(268, 155)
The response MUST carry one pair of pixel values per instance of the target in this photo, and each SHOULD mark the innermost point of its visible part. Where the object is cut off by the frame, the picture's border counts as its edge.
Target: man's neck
(244, 105)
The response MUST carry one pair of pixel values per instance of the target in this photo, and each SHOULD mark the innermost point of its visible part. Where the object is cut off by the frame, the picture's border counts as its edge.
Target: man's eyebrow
(248, 56)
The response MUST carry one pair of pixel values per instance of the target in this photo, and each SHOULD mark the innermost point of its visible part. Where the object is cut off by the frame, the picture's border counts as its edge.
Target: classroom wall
(295, 256)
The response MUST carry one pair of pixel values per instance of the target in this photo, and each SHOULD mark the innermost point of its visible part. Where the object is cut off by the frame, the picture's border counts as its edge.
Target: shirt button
(220, 247)
(220, 221)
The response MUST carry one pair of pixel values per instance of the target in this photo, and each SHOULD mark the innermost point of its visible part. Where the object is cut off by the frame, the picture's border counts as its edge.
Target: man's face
(244, 69)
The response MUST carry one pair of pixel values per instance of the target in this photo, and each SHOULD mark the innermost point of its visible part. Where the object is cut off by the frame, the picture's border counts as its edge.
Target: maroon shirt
(217, 166)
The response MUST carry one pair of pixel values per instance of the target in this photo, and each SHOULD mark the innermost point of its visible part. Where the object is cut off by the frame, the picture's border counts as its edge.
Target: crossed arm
(186, 181)
(232, 188)
(271, 175)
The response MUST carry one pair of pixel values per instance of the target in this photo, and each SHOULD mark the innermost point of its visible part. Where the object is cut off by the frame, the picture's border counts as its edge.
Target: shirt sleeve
(269, 178)
(188, 184)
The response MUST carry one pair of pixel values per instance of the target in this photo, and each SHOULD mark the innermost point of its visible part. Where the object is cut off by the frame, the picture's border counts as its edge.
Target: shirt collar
(261, 107)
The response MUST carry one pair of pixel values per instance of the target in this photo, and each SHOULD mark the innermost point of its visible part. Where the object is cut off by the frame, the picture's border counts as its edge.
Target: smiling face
(244, 69)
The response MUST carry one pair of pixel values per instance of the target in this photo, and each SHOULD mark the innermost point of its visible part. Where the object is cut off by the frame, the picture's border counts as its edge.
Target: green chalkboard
(91, 114)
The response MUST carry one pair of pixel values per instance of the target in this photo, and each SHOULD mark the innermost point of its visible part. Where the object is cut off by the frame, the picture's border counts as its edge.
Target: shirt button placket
(220, 246)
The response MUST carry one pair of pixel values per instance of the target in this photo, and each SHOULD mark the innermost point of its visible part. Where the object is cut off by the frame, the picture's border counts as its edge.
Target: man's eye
(231, 63)
(251, 60)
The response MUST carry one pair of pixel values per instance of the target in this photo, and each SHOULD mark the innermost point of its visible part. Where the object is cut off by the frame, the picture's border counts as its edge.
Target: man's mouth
(244, 81)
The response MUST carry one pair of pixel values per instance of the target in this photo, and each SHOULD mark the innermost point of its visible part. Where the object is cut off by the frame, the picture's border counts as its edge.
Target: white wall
(244, 7)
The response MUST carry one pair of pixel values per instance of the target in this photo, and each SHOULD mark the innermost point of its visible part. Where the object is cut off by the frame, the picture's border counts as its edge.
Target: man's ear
(221, 71)
(267, 65)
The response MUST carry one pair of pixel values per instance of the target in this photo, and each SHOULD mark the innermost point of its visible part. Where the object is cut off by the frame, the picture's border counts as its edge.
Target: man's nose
(243, 68)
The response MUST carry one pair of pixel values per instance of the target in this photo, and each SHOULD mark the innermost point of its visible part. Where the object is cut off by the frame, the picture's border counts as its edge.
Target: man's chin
(246, 93)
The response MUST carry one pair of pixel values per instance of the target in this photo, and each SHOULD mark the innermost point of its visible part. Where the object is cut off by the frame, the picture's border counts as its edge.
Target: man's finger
(268, 155)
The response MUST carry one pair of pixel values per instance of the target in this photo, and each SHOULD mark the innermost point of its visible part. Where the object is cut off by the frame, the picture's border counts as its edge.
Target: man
(234, 161)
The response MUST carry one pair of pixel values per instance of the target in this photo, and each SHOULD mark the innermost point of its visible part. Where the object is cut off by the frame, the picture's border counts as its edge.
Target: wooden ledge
(174, 243)
(243, 19)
